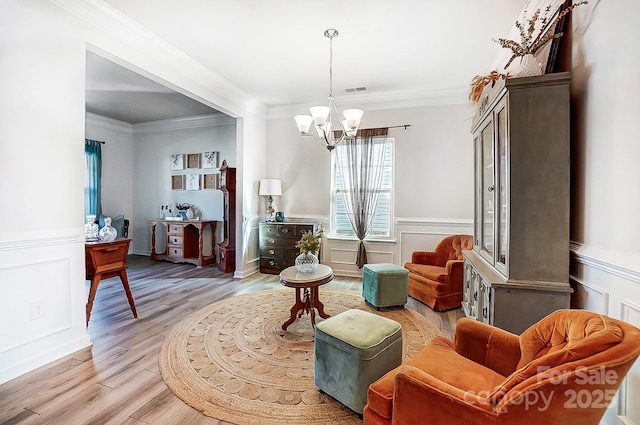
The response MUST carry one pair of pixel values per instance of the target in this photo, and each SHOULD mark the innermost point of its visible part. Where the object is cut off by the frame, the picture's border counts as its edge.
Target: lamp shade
(271, 187)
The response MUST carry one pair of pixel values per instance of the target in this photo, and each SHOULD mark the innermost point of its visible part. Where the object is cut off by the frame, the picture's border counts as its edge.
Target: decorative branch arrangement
(480, 81)
(528, 43)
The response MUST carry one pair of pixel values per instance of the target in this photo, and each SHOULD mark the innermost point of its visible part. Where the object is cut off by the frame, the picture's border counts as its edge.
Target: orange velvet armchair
(564, 369)
(435, 277)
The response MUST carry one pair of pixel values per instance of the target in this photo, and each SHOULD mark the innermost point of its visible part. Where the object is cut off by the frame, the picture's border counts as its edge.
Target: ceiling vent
(355, 89)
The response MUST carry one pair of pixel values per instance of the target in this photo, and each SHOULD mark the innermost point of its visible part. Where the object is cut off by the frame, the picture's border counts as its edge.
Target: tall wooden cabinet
(518, 270)
(227, 247)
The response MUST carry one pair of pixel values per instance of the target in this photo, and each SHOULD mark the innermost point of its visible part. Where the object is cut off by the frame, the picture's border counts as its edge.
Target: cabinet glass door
(502, 190)
(487, 193)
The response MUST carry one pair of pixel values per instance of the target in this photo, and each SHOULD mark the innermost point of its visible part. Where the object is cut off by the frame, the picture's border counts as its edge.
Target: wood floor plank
(117, 380)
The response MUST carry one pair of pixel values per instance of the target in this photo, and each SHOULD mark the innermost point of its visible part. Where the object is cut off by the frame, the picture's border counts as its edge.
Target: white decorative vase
(527, 66)
(108, 232)
(190, 214)
(307, 262)
(91, 228)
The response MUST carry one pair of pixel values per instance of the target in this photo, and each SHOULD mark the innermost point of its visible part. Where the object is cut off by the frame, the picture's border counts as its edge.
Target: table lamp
(270, 188)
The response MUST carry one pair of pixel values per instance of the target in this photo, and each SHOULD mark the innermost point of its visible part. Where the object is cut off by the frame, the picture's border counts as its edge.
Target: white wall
(606, 177)
(42, 128)
(153, 145)
(433, 180)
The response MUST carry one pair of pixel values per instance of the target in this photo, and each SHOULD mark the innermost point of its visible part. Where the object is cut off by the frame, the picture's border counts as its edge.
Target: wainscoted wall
(411, 234)
(42, 303)
(609, 283)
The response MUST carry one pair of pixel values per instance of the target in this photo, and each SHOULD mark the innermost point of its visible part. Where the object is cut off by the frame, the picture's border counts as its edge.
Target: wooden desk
(185, 241)
(104, 260)
(309, 300)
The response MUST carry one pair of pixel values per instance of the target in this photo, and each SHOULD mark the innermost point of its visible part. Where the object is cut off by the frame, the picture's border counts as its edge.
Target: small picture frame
(211, 181)
(177, 182)
(193, 181)
(177, 161)
(210, 160)
(193, 160)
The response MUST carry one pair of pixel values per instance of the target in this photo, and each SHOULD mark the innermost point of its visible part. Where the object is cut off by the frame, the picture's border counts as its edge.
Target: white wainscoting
(42, 299)
(410, 234)
(609, 282)
(250, 247)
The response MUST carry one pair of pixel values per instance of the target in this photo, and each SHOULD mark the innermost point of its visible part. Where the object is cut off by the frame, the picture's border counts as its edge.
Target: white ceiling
(275, 50)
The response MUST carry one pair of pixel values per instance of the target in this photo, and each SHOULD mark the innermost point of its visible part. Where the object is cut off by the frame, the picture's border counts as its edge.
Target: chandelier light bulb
(320, 114)
(353, 117)
(304, 123)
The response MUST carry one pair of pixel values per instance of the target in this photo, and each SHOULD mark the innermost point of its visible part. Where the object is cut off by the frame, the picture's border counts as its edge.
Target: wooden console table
(185, 241)
(104, 260)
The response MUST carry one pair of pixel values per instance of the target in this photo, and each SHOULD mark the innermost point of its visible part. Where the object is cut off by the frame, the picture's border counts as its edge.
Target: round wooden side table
(306, 286)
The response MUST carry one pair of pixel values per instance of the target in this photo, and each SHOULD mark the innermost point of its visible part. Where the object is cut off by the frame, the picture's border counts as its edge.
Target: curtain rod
(393, 126)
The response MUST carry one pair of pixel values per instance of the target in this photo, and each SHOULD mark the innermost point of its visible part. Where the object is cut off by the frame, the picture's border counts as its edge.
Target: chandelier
(321, 116)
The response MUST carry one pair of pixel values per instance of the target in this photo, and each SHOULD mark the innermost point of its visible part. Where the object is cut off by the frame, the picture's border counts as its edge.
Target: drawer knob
(271, 251)
(285, 230)
(271, 241)
(272, 263)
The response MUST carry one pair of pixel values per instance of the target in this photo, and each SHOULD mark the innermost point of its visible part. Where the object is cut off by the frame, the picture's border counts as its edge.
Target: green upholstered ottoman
(385, 285)
(352, 350)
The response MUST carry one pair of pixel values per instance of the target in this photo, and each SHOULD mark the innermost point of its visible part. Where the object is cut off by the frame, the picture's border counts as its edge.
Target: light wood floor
(117, 380)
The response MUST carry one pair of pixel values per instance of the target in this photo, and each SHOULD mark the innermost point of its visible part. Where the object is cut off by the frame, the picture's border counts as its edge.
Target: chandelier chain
(330, 66)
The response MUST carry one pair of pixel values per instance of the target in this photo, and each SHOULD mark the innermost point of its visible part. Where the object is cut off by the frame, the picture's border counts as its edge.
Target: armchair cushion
(487, 345)
(556, 341)
(436, 273)
(439, 360)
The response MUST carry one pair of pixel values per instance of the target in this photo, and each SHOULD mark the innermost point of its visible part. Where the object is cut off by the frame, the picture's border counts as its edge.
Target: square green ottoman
(352, 350)
(385, 285)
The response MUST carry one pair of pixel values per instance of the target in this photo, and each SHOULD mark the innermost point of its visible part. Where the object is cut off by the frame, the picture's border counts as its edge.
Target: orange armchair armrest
(489, 346)
(414, 387)
(424, 257)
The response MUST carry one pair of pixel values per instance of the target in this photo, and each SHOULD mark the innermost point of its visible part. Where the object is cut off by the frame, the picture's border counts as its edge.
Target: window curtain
(92, 177)
(360, 162)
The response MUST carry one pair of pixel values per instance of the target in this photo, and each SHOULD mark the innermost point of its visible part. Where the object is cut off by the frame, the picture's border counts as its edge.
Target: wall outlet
(36, 310)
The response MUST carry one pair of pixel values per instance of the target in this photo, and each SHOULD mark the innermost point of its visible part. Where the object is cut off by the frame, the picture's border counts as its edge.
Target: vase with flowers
(182, 210)
(309, 245)
(535, 33)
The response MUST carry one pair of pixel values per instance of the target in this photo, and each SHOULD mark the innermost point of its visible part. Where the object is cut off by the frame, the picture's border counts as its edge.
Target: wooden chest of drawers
(278, 244)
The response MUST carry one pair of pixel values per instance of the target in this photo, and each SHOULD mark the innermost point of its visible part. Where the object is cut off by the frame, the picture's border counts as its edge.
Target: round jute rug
(232, 360)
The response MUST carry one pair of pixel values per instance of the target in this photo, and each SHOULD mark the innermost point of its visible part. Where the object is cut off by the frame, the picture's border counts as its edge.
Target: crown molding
(108, 123)
(183, 123)
(373, 102)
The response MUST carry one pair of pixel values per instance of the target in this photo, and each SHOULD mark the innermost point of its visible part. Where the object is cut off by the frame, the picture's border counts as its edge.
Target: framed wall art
(211, 181)
(210, 160)
(193, 160)
(177, 182)
(193, 181)
(177, 161)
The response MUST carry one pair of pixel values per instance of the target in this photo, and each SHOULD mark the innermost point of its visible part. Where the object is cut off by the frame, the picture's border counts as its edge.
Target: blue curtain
(92, 177)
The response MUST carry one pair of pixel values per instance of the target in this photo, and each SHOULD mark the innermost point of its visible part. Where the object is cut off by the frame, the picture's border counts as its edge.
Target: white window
(382, 222)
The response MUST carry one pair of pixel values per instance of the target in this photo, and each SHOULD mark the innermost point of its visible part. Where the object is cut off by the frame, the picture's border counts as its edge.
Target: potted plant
(309, 246)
